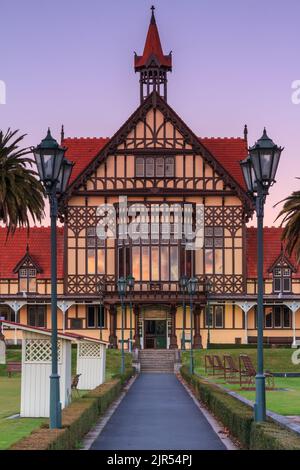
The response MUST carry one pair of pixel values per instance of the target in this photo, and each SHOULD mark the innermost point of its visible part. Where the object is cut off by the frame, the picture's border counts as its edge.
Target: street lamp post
(191, 288)
(54, 171)
(208, 316)
(122, 287)
(183, 287)
(130, 283)
(259, 170)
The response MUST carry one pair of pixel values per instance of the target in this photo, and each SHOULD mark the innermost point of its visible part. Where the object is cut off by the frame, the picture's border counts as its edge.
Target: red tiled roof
(153, 48)
(272, 250)
(229, 152)
(13, 250)
(81, 151)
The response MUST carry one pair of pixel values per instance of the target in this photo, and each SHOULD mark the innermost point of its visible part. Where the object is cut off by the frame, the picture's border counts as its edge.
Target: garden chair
(74, 384)
(230, 369)
(208, 364)
(248, 371)
(13, 367)
(217, 365)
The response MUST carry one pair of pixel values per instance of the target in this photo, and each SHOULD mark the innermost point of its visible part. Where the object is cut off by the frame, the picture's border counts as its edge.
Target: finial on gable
(62, 133)
(246, 133)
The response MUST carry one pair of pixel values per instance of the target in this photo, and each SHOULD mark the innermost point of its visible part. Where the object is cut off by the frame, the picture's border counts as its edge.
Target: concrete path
(157, 413)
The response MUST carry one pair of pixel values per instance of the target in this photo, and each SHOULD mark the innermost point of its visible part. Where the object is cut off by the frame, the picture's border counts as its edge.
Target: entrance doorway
(155, 333)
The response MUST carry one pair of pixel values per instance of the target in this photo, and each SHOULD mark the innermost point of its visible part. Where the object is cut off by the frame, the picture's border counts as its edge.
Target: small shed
(36, 366)
(36, 369)
(91, 362)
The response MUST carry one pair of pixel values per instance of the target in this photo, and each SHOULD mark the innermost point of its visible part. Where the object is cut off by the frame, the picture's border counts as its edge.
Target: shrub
(77, 419)
(238, 418)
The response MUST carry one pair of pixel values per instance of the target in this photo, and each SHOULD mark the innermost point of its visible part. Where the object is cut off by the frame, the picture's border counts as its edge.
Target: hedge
(77, 418)
(238, 418)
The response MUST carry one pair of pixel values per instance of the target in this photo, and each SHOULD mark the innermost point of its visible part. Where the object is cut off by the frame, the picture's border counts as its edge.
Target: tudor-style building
(153, 158)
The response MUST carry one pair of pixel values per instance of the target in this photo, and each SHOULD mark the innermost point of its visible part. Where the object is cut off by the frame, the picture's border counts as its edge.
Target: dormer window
(282, 279)
(154, 167)
(27, 280)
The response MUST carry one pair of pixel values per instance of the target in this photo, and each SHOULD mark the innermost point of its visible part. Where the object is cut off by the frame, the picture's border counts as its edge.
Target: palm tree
(21, 194)
(291, 218)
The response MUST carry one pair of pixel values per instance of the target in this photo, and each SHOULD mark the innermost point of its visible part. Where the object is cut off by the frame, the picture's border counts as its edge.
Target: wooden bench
(13, 367)
(276, 340)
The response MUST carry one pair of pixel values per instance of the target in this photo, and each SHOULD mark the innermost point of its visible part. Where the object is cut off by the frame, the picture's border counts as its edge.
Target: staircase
(157, 360)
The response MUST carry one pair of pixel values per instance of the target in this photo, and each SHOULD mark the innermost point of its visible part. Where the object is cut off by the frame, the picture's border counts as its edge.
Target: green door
(161, 334)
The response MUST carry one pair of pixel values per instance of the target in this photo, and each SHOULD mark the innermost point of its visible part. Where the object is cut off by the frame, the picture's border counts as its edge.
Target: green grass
(11, 430)
(277, 360)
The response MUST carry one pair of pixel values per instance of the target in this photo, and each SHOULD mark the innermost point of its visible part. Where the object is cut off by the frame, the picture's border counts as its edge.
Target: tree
(21, 193)
(291, 219)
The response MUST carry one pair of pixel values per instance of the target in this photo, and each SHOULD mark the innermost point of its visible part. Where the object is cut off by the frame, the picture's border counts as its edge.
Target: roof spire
(246, 133)
(153, 64)
(152, 14)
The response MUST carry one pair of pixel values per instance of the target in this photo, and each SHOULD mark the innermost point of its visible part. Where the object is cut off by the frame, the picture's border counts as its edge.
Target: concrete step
(157, 360)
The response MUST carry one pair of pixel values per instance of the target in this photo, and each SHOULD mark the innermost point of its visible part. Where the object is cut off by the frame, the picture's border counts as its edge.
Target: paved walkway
(157, 413)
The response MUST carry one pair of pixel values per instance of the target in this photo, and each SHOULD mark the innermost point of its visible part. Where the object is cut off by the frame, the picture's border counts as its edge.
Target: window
(76, 323)
(216, 319)
(140, 167)
(37, 315)
(95, 316)
(149, 167)
(282, 279)
(268, 317)
(95, 252)
(170, 167)
(27, 280)
(7, 313)
(155, 167)
(219, 316)
(277, 316)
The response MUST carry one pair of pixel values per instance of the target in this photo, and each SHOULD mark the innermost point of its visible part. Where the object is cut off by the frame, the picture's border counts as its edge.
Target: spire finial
(62, 133)
(152, 14)
(246, 132)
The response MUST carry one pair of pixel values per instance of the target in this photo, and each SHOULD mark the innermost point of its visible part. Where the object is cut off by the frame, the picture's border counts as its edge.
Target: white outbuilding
(36, 366)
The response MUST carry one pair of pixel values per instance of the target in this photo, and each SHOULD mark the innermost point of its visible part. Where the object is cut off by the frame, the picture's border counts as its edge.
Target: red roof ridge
(221, 138)
(86, 138)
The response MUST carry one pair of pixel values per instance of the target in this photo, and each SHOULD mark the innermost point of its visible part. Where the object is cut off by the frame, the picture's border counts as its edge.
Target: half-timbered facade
(154, 159)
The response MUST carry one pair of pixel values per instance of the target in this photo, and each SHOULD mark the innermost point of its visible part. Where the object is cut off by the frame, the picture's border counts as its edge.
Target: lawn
(285, 402)
(11, 430)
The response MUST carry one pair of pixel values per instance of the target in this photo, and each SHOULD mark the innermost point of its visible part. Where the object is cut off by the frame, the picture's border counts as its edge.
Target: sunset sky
(71, 62)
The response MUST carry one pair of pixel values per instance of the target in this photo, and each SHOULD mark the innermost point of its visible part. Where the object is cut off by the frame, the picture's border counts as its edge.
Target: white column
(246, 306)
(15, 306)
(293, 306)
(64, 306)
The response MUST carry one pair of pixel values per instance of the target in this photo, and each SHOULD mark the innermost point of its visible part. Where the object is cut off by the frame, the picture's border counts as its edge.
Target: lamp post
(54, 171)
(191, 288)
(208, 316)
(183, 287)
(259, 170)
(130, 283)
(122, 286)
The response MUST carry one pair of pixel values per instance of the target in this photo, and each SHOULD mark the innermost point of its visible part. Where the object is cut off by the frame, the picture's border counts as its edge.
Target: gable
(154, 126)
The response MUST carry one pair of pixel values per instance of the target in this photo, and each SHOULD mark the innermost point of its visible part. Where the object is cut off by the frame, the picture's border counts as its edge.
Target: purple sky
(71, 62)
